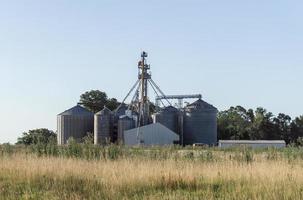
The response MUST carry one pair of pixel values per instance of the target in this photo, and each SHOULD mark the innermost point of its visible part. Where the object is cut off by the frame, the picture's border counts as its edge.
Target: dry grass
(31, 177)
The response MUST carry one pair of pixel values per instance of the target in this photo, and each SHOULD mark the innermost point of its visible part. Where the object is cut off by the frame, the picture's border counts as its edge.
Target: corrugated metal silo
(200, 123)
(75, 122)
(125, 123)
(120, 111)
(103, 126)
(168, 117)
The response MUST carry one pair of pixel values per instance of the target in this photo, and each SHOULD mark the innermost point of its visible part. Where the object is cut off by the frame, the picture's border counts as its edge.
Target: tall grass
(114, 172)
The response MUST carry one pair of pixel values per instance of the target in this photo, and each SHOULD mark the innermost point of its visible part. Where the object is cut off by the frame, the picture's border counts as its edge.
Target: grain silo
(124, 123)
(200, 123)
(168, 117)
(76, 123)
(120, 111)
(103, 126)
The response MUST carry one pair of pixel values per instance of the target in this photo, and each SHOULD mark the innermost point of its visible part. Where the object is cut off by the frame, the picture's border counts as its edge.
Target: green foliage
(95, 100)
(299, 141)
(88, 139)
(112, 104)
(89, 151)
(206, 156)
(296, 127)
(190, 155)
(6, 149)
(272, 154)
(37, 136)
(73, 149)
(248, 156)
(242, 154)
(237, 123)
(114, 152)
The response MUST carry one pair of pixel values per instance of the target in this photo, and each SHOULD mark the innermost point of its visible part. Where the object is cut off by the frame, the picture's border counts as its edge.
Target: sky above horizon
(235, 52)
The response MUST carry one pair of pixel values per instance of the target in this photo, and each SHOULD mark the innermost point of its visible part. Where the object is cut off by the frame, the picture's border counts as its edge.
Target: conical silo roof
(201, 105)
(77, 110)
(104, 111)
(170, 109)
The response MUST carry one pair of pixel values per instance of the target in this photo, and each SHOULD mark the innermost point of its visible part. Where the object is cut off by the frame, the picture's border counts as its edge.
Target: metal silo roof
(77, 110)
(170, 109)
(200, 104)
(104, 111)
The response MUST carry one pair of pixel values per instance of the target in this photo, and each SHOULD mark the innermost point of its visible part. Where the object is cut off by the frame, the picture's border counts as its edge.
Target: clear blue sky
(234, 52)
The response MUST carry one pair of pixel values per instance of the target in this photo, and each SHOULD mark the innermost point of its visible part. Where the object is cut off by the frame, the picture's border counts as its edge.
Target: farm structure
(134, 123)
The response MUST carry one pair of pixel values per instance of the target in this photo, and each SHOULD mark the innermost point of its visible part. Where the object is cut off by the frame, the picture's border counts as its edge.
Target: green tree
(283, 127)
(262, 126)
(239, 123)
(94, 100)
(296, 129)
(234, 123)
(112, 104)
(37, 136)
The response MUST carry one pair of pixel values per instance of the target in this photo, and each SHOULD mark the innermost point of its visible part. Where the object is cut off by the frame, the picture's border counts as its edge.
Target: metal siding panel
(75, 126)
(124, 124)
(168, 117)
(154, 134)
(75, 122)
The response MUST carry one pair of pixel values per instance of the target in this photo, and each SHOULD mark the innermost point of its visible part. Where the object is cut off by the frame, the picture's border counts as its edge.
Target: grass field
(154, 173)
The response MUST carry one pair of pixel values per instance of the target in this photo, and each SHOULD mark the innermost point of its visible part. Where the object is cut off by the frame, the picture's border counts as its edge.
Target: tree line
(236, 123)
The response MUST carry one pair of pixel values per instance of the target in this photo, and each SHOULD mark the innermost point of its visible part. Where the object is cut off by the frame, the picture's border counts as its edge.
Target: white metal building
(252, 143)
(152, 134)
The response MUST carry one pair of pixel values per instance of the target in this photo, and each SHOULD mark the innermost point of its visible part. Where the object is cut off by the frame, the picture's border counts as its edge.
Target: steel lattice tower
(144, 76)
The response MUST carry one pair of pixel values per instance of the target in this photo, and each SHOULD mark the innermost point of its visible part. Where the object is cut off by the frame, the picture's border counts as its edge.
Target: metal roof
(252, 141)
(200, 104)
(77, 110)
(170, 109)
(104, 111)
(190, 96)
(151, 134)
